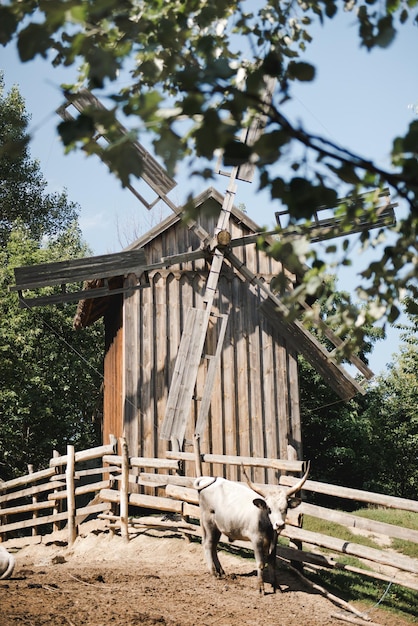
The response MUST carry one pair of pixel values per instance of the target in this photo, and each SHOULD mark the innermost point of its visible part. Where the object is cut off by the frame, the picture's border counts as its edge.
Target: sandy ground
(154, 579)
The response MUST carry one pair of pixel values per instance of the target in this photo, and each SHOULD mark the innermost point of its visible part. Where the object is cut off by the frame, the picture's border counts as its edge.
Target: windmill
(215, 247)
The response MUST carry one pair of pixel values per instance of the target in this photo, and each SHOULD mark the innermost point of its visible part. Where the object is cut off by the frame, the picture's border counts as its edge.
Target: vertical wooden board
(228, 377)
(241, 338)
(160, 355)
(282, 397)
(131, 365)
(269, 396)
(113, 373)
(256, 401)
(295, 423)
(147, 362)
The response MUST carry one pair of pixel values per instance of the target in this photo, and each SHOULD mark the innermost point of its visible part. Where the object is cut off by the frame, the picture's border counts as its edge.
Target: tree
(23, 190)
(198, 76)
(336, 434)
(391, 411)
(50, 377)
(370, 442)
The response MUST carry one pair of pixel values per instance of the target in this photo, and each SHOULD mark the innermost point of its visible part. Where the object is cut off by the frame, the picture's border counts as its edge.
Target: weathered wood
(71, 505)
(210, 379)
(57, 506)
(363, 523)
(145, 501)
(24, 508)
(284, 465)
(353, 549)
(130, 355)
(299, 337)
(51, 519)
(124, 490)
(330, 596)
(182, 493)
(318, 560)
(26, 480)
(391, 502)
(83, 455)
(161, 480)
(141, 461)
(30, 491)
(353, 620)
(78, 270)
(184, 377)
(151, 171)
(156, 463)
(79, 491)
(95, 453)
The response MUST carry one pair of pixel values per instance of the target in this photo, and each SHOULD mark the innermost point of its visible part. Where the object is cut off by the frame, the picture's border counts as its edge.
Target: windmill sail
(152, 172)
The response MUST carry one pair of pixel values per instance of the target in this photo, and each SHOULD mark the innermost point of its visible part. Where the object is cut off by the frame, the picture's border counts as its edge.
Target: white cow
(240, 513)
(7, 563)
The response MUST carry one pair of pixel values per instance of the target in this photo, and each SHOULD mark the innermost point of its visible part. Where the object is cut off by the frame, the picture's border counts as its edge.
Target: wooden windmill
(216, 247)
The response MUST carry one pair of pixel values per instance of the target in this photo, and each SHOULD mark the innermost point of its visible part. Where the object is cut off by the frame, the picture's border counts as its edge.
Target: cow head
(275, 501)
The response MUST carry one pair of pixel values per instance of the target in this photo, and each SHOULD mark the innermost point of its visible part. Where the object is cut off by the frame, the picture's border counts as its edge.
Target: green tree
(198, 75)
(336, 437)
(50, 376)
(391, 410)
(370, 442)
(23, 189)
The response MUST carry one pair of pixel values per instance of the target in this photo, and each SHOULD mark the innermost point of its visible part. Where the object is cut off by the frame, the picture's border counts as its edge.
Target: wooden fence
(57, 496)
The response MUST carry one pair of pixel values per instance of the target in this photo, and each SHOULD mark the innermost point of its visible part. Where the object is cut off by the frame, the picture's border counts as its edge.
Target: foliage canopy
(198, 75)
(50, 376)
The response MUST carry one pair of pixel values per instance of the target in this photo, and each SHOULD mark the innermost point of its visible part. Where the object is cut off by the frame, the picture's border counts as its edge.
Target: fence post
(34, 501)
(3, 536)
(70, 482)
(124, 490)
(57, 507)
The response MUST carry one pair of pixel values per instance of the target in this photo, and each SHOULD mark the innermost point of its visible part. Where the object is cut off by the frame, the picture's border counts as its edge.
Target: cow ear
(259, 503)
(294, 502)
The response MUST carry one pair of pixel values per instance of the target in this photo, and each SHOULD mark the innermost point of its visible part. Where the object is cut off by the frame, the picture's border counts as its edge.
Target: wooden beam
(78, 270)
(300, 338)
(152, 172)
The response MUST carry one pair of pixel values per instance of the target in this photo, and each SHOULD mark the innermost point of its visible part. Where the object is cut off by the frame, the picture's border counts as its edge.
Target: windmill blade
(98, 268)
(250, 135)
(299, 337)
(152, 173)
(187, 362)
(323, 228)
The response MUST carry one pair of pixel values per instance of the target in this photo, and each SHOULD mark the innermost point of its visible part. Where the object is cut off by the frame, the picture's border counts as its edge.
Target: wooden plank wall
(254, 408)
(113, 377)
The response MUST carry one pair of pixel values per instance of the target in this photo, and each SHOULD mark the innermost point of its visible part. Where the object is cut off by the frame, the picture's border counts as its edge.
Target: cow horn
(250, 484)
(300, 483)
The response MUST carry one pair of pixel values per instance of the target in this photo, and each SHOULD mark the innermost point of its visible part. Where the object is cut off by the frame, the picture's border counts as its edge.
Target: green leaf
(8, 25)
(298, 70)
(33, 40)
(386, 33)
(236, 153)
(71, 131)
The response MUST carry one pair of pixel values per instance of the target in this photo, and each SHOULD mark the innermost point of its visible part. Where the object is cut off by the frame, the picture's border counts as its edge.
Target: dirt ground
(155, 579)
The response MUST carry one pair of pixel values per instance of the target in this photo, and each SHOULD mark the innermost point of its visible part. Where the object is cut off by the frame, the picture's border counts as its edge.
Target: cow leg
(259, 561)
(272, 562)
(210, 538)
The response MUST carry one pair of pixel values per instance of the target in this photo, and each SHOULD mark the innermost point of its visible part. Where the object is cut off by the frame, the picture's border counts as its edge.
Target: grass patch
(407, 519)
(354, 588)
(317, 525)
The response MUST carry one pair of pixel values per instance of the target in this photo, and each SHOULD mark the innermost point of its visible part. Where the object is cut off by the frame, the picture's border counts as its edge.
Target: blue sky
(359, 100)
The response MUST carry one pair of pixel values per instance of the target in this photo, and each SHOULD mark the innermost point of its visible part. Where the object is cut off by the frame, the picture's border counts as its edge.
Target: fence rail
(70, 490)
